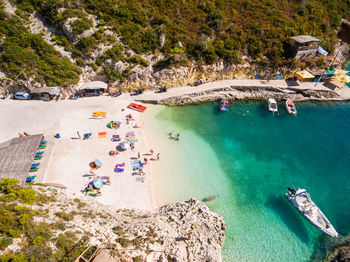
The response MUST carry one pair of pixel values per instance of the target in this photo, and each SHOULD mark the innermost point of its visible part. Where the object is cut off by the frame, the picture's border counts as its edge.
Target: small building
(45, 93)
(304, 46)
(17, 156)
(93, 88)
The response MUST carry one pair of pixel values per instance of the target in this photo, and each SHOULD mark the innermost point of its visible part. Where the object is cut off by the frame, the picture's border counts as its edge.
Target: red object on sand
(137, 107)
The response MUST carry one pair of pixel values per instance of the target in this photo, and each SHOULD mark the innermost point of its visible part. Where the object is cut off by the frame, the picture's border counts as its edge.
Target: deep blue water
(261, 154)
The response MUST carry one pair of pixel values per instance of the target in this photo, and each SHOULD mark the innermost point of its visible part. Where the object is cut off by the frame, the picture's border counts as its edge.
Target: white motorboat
(272, 105)
(301, 200)
(291, 107)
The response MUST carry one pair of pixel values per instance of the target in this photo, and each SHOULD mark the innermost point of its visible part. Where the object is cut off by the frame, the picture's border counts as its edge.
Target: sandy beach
(66, 160)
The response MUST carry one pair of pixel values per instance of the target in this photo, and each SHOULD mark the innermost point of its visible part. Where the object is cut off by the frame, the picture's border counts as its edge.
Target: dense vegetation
(201, 30)
(18, 223)
(20, 49)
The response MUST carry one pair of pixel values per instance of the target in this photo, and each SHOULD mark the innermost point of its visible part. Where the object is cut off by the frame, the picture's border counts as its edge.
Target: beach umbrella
(98, 162)
(124, 145)
(110, 124)
(304, 74)
(98, 183)
(343, 78)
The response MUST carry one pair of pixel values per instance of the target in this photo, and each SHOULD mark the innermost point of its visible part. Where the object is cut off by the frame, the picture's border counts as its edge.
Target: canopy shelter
(304, 74)
(93, 88)
(45, 93)
(53, 90)
(17, 156)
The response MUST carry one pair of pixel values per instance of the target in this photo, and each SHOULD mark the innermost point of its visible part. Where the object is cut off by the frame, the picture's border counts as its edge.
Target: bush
(79, 26)
(5, 242)
(65, 216)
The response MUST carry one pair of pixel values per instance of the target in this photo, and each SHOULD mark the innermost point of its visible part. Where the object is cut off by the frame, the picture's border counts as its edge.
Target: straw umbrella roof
(17, 156)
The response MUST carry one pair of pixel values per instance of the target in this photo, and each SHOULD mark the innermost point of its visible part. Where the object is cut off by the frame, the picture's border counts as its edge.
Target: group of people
(24, 134)
(176, 137)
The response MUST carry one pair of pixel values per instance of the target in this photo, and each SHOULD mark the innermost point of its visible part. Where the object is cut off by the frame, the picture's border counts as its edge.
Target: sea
(247, 157)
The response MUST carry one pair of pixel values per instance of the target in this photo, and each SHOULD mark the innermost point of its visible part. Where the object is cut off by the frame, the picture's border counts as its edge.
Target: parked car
(22, 96)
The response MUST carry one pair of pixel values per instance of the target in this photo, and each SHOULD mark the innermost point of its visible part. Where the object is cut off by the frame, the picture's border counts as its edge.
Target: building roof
(50, 90)
(17, 156)
(94, 85)
(305, 39)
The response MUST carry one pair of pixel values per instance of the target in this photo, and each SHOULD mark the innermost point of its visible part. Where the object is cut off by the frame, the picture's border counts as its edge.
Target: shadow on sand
(289, 216)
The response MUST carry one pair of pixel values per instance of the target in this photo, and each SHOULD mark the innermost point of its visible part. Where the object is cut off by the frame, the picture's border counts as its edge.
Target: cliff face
(186, 231)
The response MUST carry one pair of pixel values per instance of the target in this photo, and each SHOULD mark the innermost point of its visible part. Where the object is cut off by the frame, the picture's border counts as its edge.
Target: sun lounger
(39, 153)
(102, 134)
(118, 170)
(120, 165)
(130, 133)
(43, 142)
(33, 169)
(42, 146)
(115, 138)
(35, 165)
(38, 157)
(140, 179)
(135, 162)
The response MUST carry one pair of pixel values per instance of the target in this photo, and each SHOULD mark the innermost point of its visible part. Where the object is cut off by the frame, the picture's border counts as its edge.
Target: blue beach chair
(35, 165)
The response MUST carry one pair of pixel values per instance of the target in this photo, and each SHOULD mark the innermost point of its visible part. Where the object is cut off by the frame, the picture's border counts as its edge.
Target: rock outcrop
(186, 231)
(340, 254)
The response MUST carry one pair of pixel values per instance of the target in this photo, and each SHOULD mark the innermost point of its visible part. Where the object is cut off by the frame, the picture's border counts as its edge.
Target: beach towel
(87, 134)
(118, 170)
(137, 167)
(130, 133)
(135, 162)
(102, 134)
(120, 165)
(132, 139)
(140, 179)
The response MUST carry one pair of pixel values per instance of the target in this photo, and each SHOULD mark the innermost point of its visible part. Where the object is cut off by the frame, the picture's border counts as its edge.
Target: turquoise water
(248, 156)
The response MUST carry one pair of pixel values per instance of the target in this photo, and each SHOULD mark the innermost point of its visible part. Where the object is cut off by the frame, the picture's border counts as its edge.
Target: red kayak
(137, 107)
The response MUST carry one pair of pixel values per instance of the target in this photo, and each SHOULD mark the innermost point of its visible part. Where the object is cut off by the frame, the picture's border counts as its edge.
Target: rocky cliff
(186, 231)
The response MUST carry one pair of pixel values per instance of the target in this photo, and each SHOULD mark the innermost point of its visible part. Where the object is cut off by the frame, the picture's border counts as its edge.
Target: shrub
(5, 242)
(123, 242)
(65, 216)
(79, 26)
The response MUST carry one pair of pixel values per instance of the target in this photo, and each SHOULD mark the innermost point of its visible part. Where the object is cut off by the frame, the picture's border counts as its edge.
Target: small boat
(224, 105)
(291, 107)
(272, 105)
(301, 200)
(137, 107)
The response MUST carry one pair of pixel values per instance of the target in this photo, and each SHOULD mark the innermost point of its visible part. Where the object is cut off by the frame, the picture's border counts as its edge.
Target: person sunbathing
(136, 126)
(113, 153)
(26, 134)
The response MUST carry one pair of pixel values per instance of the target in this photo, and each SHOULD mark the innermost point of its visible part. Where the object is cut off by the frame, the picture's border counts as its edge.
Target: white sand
(70, 157)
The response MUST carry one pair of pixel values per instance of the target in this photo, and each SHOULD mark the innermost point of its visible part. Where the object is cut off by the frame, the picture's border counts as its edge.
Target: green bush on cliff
(37, 238)
(208, 30)
(21, 50)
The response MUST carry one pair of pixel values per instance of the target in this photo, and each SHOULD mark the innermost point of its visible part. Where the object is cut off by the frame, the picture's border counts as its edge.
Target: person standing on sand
(151, 151)
(158, 156)
(78, 135)
(138, 155)
(145, 160)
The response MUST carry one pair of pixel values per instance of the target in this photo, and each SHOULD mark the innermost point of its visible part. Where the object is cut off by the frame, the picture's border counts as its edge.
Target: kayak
(224, 105)
(137, 107)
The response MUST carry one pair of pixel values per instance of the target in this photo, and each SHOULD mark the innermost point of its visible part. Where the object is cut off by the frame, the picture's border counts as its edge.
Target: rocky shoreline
(247, 90)
(185, 231)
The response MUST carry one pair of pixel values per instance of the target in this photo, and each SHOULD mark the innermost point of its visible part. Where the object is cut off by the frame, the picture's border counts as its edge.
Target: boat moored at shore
(272, 105)
(224, 105)
(301, 200)
(291, 107)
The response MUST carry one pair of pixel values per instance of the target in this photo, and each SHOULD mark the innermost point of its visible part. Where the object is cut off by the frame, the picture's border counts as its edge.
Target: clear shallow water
(248, 156)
